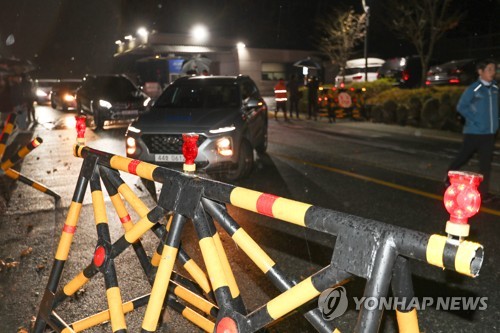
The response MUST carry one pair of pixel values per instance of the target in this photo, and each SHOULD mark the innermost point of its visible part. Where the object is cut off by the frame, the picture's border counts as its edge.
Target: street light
(199, 33)
(143, 34)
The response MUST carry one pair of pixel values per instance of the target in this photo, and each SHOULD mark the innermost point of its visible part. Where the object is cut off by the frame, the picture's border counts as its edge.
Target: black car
(405, 71)
(63, 94)
(41, 90)
(227, 112)
(455, 72)
(110, 98)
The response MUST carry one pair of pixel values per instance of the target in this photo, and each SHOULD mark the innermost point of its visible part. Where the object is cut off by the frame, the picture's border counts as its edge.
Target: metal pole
(367, 11)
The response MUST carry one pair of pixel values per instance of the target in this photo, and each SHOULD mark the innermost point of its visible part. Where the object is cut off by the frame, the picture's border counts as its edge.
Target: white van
(355, 70)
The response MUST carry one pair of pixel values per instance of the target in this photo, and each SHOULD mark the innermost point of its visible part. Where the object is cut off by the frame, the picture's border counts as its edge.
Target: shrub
(432, 107)
(430, 117)
(389, 109)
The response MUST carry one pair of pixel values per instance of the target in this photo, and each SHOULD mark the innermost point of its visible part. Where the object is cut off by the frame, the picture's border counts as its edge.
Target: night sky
(70, 38)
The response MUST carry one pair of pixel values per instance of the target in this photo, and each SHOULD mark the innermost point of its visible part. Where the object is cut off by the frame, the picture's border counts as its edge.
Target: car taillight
(427, 83)
(406, 75)
(454, 80)
(357, 77)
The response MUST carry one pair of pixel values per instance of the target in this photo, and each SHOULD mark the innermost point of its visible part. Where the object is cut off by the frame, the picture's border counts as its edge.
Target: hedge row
(430, 107)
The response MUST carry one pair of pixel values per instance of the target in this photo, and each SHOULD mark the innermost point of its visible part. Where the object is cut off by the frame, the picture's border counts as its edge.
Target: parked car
(63, 94)
(41, 90)
(227, 112)
(405, 71)
(355, 71)
(105, 98)
(455, 72)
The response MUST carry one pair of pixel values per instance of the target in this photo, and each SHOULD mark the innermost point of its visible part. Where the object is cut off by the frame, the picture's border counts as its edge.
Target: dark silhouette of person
(294, 93)
(312, 98)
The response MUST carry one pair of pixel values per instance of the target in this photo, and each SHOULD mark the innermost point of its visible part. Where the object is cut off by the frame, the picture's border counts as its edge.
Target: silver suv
(227, 112)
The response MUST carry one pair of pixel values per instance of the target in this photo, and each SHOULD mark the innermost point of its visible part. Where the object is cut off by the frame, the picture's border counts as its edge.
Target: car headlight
(131, 145)
(69, 98)
(224, 146)
(104, 104)
(223, 130)
(41, 93)
(134, 129)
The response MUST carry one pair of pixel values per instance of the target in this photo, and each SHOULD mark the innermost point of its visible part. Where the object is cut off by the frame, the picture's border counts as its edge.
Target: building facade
(161, 58)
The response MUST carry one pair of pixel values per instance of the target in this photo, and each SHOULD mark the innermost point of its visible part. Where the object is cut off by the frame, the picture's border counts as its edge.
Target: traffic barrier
(6, 166)
(364, 248)
(341, 103)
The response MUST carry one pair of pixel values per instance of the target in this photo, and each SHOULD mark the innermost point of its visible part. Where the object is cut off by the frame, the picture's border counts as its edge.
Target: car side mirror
(251, 103)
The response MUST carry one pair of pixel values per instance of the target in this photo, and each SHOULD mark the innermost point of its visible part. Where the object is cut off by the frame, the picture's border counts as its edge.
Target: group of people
(479, 105)
(16, 96)
(289, 92)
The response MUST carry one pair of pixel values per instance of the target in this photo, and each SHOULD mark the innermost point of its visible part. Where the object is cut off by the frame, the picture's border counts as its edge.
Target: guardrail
(364, 248)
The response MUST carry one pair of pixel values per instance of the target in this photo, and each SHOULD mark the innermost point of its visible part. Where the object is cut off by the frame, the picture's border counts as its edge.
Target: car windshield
(356, 70)
(449, 66)
(113, 86)
(67, 85)
(200, 96)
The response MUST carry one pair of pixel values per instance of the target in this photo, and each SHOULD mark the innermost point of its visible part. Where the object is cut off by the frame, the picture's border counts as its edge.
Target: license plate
(130, 113)
(169, 158)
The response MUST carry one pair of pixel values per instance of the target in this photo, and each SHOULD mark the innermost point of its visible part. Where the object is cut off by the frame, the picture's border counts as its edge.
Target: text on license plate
(169, 158)
(130, 112)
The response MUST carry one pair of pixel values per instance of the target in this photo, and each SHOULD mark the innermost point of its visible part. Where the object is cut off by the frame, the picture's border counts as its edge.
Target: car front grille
(166, 143)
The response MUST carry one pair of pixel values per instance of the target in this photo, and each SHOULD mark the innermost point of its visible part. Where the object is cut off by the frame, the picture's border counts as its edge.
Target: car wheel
(99, 122)
(245, 162)
(95, 121)
(262, 147)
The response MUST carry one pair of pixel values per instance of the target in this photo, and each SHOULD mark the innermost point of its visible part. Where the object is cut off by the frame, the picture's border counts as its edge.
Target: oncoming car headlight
(69, 98)
(104, 104)
(41, 93)
(131, 145)
(224, 146)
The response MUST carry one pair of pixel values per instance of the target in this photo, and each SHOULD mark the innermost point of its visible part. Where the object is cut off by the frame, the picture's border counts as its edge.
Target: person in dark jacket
(479, 106)
(312, 100)
(294, 93)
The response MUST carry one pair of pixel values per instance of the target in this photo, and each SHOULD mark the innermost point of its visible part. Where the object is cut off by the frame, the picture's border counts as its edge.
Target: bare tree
(339, 33)
(423, 23)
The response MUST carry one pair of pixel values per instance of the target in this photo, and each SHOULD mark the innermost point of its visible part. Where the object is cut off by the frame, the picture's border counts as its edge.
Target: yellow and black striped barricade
(364, 248)
(7, 130)
(6, 166)
(7, 170)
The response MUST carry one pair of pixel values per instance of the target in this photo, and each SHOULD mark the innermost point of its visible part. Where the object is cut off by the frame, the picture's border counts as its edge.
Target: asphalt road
(385, 173)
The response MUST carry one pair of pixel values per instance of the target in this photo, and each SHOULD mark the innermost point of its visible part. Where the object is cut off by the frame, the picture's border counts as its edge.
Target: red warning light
(189, 147)
(226, 325)
(99, 256)
(81, 126)
(462, 200)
